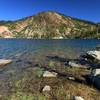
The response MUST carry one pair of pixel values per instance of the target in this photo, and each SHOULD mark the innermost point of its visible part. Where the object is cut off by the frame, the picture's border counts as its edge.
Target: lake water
(12, 47)
(23, 51)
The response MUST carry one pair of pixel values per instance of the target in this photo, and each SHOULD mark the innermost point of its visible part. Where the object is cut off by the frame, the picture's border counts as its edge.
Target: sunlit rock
(47, 88)
(95, 72)
(71, 78)
(95, 54)
(5, 61)
(75, 64)
(77, 98)
(49, 74)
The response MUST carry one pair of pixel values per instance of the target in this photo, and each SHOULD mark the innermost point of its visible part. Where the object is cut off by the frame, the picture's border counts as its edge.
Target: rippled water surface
(13, 47)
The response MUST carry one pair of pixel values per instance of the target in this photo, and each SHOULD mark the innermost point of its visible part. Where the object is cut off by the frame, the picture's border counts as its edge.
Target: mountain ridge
(49, 25)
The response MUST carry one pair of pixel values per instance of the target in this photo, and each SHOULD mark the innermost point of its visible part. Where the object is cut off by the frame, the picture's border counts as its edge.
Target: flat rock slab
(74, 64)
(5, 61)
(49, 74)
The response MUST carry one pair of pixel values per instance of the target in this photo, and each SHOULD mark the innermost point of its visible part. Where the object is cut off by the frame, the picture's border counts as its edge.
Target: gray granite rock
(49, 74)
(95, 54)
(47, 88)
(5, 61)
(95, 72)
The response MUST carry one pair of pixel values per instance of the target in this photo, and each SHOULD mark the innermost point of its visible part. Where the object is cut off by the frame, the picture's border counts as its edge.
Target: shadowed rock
(96, 81)
(57, 58)
(94, 78)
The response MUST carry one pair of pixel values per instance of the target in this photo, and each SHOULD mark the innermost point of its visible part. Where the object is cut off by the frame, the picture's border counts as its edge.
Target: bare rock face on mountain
(4, 32)
(50, 25)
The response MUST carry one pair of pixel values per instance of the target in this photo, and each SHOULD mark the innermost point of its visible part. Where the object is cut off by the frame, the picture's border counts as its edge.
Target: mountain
(50, 25)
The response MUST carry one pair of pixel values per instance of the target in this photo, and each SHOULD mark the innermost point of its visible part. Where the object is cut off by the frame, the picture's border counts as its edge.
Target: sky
(82, 9)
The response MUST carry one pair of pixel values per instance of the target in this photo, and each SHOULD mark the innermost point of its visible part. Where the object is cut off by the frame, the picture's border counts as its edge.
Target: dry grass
(30, 86)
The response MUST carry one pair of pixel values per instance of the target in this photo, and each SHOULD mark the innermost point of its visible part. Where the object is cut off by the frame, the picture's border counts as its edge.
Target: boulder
(94, 78)
(47, 88)
(98, 47)
(96, 81)
(95, 72)
(95, 54)
(77, 98)
(5, 61)
(49, 74)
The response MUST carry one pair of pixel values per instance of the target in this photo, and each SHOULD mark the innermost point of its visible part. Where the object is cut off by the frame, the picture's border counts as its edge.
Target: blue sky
(83, 9)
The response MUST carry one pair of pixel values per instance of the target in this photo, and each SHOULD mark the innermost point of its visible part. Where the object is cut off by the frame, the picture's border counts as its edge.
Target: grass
(25, 96)
(29, 87)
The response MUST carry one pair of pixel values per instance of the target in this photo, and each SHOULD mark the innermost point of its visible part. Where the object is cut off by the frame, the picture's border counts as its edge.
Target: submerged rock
(77, 98)
(47, 88)
(49, 74)
(5, 61)
(74, 64)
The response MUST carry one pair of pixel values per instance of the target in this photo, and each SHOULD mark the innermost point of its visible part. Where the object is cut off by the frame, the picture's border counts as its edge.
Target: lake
(9, 48)
(23, 52)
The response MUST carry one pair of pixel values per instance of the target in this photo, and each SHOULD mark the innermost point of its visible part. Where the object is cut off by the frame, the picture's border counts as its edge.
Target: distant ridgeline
(49, 25)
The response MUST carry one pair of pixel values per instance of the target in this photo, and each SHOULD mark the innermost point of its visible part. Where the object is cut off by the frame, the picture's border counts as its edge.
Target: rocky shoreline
(57, 79)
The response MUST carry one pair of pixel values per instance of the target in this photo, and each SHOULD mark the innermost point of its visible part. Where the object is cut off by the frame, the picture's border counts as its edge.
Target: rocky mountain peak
(50, 25)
